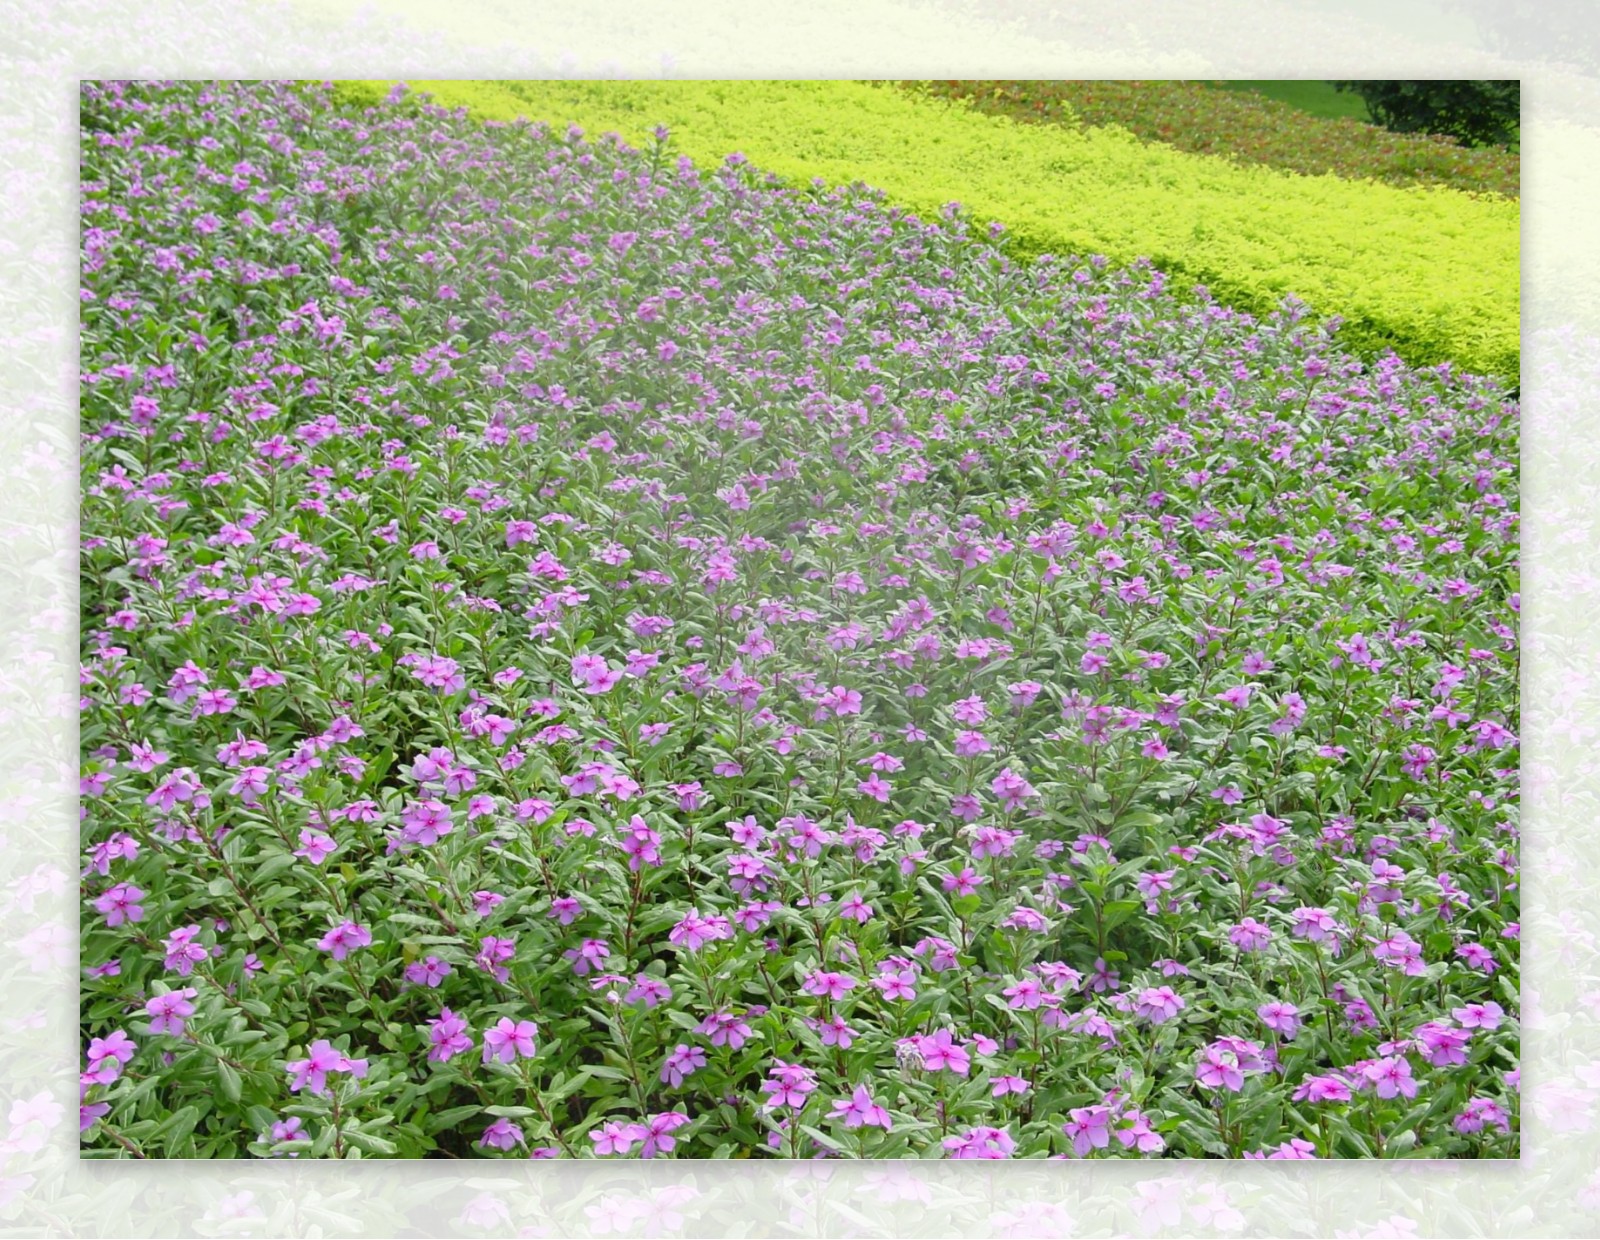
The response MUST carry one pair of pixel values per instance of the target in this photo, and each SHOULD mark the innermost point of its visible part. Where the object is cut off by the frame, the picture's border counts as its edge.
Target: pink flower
(861, 1109)
(896, 984)
(1486, 1015)
(841, 701)
(657, 1138)
(694, 931)
(617, 1138)
(1138, 1134)
(1401, 951)
(1012, 789)
(167, 1012)
(965, 807)
(426, 822)
(970, 744)
(970, 710)
(650, 991)
(1315, 924)
(941, 1051)
(502, 1135)
(1238, 696)
(854, 907)
(1391, 1076)
(183, 953)
(981, 1142)
(1293, 1148)
(1226, 1062)
(565, 909)
(829, 985)
(1441, 1045)
(587, 955)
(107, 1056)
(876, 787)
(494, 953)
(429, 972)
(120, 904)
(1250, 935)
(787, 1085)
(725, 1029)
(1157, 1004)
(1322, 1089)
(681, 1063)
(345, 938)
(1027, 994)
(315, 846)
(509, 1040)
(448, 1036)
(313, 1070)
(1089, 1128)
(834, 1031)
(1480, 1112)
(1024, 693)
(1281, 1018)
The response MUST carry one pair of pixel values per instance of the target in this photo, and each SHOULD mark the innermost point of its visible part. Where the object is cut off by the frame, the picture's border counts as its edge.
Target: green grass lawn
(1315, 98)
(1318, 99)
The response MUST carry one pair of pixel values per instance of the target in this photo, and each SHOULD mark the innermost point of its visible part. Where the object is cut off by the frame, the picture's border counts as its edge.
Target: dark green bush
(1476, 113)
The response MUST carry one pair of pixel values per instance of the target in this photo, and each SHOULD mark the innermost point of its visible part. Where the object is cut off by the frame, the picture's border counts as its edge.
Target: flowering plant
(590, 656)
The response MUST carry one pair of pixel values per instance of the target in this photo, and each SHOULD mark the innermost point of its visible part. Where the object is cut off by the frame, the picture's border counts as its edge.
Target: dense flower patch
(589, 657)
(1245, 127)
(1431, 273)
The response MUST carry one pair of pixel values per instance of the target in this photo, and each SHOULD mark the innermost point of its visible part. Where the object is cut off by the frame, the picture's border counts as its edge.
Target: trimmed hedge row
(1431, 273)
(1247, 128)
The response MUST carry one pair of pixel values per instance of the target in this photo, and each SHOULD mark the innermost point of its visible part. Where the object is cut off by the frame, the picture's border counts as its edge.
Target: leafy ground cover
(1431, 273)
(1247, 127)
(588, 656)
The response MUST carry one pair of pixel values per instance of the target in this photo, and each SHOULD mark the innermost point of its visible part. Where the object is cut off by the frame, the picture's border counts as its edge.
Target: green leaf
(445, 1120)
(369, 1144)
(273, 866)
(323, 1143)
(228, 1081)
(1114, 912)
(177, 1126)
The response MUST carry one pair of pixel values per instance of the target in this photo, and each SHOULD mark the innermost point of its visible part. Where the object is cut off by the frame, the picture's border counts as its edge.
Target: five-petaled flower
(859, 1109)
(321, 1060)
(509, 1040)
(344, 938)
(169, 1011)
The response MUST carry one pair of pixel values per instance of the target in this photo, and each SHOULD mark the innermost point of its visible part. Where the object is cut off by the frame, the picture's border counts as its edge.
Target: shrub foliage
(1246, 128)
(1476, 113)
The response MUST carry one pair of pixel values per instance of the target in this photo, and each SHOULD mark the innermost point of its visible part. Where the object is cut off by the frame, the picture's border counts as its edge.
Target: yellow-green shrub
(1430, 272)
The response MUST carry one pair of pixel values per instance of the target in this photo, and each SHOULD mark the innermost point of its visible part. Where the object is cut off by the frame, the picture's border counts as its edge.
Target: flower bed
(585, 656)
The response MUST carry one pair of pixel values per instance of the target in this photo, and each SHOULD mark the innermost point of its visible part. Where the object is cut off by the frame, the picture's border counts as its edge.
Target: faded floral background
(48, 45)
